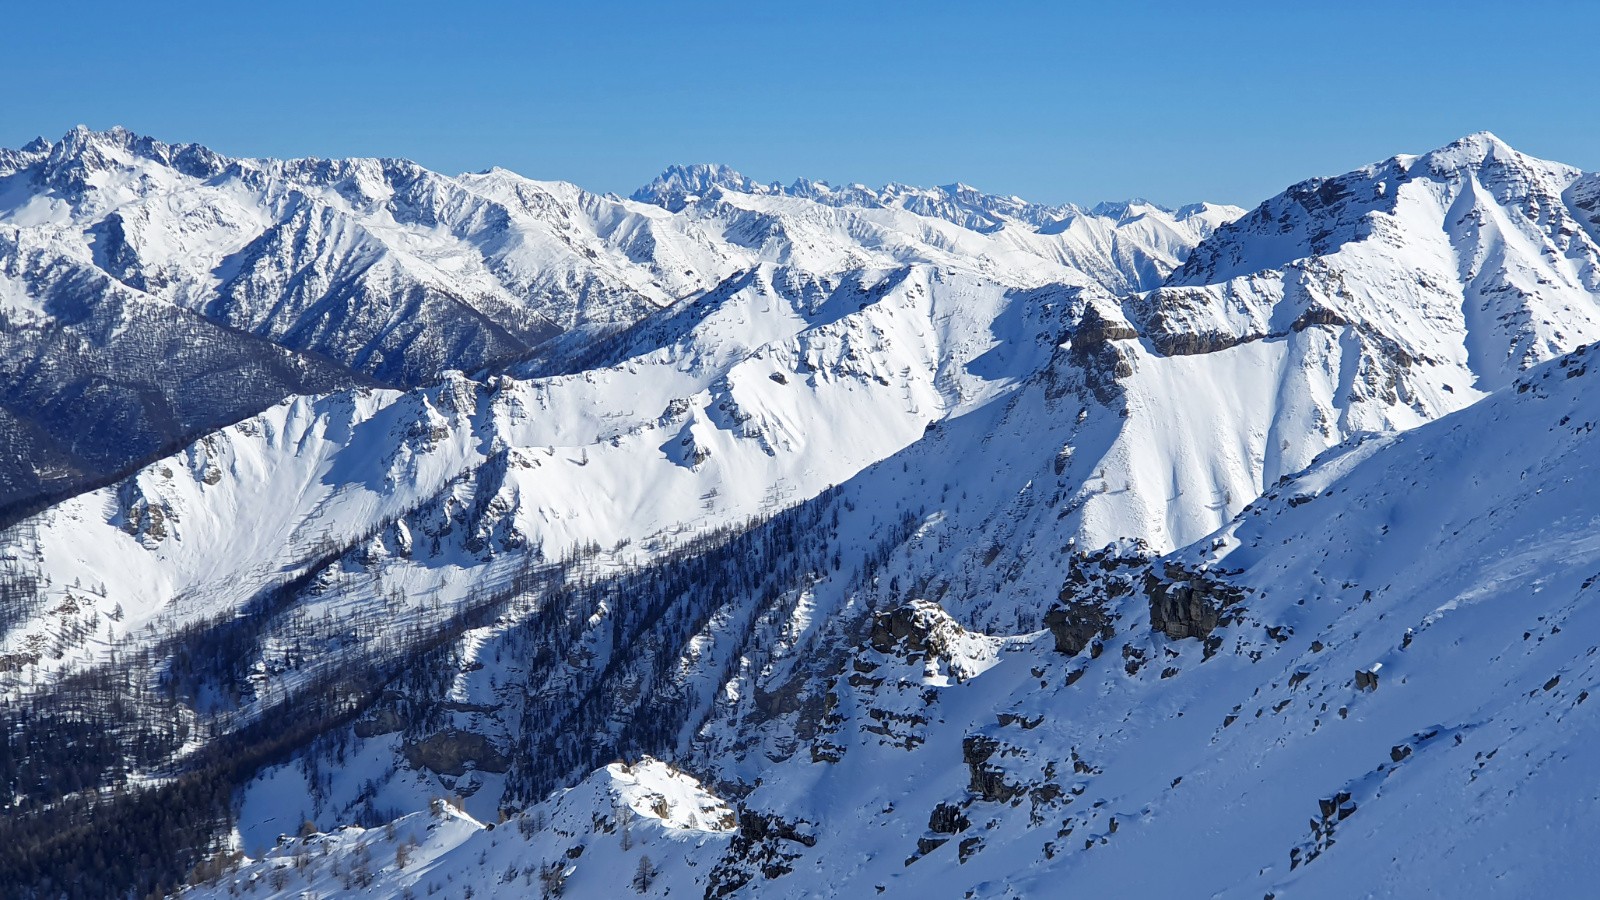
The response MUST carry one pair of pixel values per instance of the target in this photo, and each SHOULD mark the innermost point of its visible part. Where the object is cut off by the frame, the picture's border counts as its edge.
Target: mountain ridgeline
(373, 530)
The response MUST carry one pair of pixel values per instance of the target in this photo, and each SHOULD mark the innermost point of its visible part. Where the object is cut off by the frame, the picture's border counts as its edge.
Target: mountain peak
(1477, 149)
(83, 150)
(1125, 209)
(678, 182)
(1485, 139)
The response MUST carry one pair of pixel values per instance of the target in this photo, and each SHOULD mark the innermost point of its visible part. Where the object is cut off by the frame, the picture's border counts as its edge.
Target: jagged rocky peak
(1319, 215)
(971, 208)
(82, 152)
(70, 165)
(678, 183)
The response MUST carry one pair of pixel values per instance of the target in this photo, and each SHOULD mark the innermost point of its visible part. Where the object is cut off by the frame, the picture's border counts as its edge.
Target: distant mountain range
(379, 271)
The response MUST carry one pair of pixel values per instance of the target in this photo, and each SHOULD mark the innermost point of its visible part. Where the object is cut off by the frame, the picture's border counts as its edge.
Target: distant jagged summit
(677, 183)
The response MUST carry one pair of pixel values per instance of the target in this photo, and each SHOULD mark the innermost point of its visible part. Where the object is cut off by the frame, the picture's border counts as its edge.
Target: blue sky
(1053, 101)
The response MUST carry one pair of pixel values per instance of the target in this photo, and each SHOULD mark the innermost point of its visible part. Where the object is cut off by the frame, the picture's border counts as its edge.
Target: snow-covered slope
(97, 376)
(601, 838)
(1368, 666)
(1396, 653)
(761, 393)
(1456, 558)
(898, 535)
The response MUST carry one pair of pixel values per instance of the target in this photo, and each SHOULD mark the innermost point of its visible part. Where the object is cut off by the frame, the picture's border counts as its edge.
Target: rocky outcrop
(1074, 627)
(988, 780)
(453, 752)
(765, 845)
(947, 818)
(1082, 617)
(1096, 327)
(1332, 810)
(922, 632)
(910, 624)
(1094, 354)
(1187, 604)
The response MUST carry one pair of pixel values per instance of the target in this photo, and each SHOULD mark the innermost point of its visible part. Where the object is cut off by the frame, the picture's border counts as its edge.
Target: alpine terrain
(374, 532)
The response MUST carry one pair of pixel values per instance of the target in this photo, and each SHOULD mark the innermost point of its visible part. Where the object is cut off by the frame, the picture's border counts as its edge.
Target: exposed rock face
(1074, 627)
(947, 818)
(921, 631)
(765, 845)
(1097, 326)
(911, 623)
(922, 648)
(1188, 604)
(1093, 580)
(988, 781)
(1168, 318)
(451, 752)
(1093, 350)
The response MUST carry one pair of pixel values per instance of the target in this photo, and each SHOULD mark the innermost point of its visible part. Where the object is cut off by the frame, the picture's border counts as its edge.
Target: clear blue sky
(1227, 101)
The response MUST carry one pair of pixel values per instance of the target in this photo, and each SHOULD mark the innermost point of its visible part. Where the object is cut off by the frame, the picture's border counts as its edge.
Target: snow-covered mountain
(379, 270)
(1126, 246)
(905, 539)
(1471, 258)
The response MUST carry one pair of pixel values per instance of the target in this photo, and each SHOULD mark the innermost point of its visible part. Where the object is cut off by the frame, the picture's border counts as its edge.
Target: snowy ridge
(599, 838)
(1473, 257)
(1125, 246)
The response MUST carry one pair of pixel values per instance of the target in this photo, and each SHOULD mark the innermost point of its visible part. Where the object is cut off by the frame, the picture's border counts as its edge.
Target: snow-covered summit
(678, 184)
(1472, 256)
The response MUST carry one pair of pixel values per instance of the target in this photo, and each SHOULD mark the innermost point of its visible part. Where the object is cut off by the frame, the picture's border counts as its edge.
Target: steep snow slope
(98, 375)
(1389, 698)
(1454, 561)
